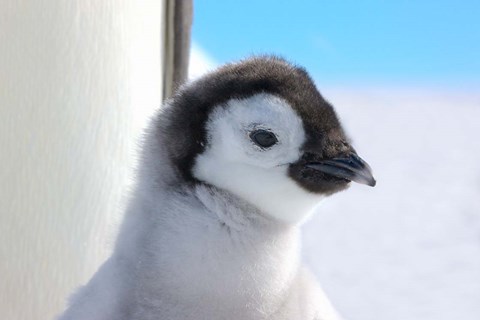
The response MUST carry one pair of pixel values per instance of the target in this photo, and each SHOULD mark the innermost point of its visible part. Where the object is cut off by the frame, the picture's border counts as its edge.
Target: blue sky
(432, 42)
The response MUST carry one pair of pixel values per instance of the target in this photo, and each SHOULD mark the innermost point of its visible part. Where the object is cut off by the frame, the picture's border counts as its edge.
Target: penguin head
(261, 130)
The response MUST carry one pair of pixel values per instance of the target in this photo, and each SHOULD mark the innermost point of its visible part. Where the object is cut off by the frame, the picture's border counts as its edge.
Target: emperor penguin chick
(231, 165)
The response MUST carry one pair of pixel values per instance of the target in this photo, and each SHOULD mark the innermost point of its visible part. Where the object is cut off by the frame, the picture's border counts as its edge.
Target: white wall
(77, 80)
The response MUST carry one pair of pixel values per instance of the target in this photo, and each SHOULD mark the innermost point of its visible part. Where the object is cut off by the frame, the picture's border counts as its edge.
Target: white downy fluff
(225, 251)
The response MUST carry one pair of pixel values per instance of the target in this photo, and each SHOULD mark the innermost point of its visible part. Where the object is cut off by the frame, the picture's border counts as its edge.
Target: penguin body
(230, 167)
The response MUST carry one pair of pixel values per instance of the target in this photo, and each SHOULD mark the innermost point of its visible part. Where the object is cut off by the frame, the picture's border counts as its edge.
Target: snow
(408, 249)
(199, 62)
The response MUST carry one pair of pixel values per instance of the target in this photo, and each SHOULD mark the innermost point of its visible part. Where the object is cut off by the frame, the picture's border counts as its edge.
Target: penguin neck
(205, 242)
(235, 214)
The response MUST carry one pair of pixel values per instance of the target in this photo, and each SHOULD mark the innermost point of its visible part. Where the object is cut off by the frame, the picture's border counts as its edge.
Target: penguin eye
(263, 138)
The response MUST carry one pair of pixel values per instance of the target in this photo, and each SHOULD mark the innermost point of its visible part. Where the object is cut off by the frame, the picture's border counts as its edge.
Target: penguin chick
(230, 167)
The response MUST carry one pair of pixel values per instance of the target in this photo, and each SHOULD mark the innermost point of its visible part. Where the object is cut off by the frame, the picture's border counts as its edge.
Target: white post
(77, 81)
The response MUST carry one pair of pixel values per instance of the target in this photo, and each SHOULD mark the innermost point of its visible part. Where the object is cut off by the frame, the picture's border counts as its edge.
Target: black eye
(263, 138)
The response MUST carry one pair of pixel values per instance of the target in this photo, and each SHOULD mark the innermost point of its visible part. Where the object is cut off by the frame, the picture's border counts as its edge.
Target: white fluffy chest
(212, 255)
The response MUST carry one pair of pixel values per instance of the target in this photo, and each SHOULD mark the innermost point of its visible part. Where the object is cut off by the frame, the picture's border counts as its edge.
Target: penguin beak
(351, 168)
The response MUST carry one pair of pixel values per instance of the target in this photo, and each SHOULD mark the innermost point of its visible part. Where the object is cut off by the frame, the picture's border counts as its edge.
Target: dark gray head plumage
(329, 162)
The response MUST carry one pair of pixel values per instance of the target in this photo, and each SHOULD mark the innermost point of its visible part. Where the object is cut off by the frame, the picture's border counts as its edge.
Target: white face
(234, 162)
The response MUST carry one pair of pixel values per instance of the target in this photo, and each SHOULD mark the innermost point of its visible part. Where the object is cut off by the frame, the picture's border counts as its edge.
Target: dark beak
(351, 168)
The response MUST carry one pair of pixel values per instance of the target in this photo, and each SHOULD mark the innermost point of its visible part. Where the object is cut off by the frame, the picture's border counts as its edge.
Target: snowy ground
(408, 249)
